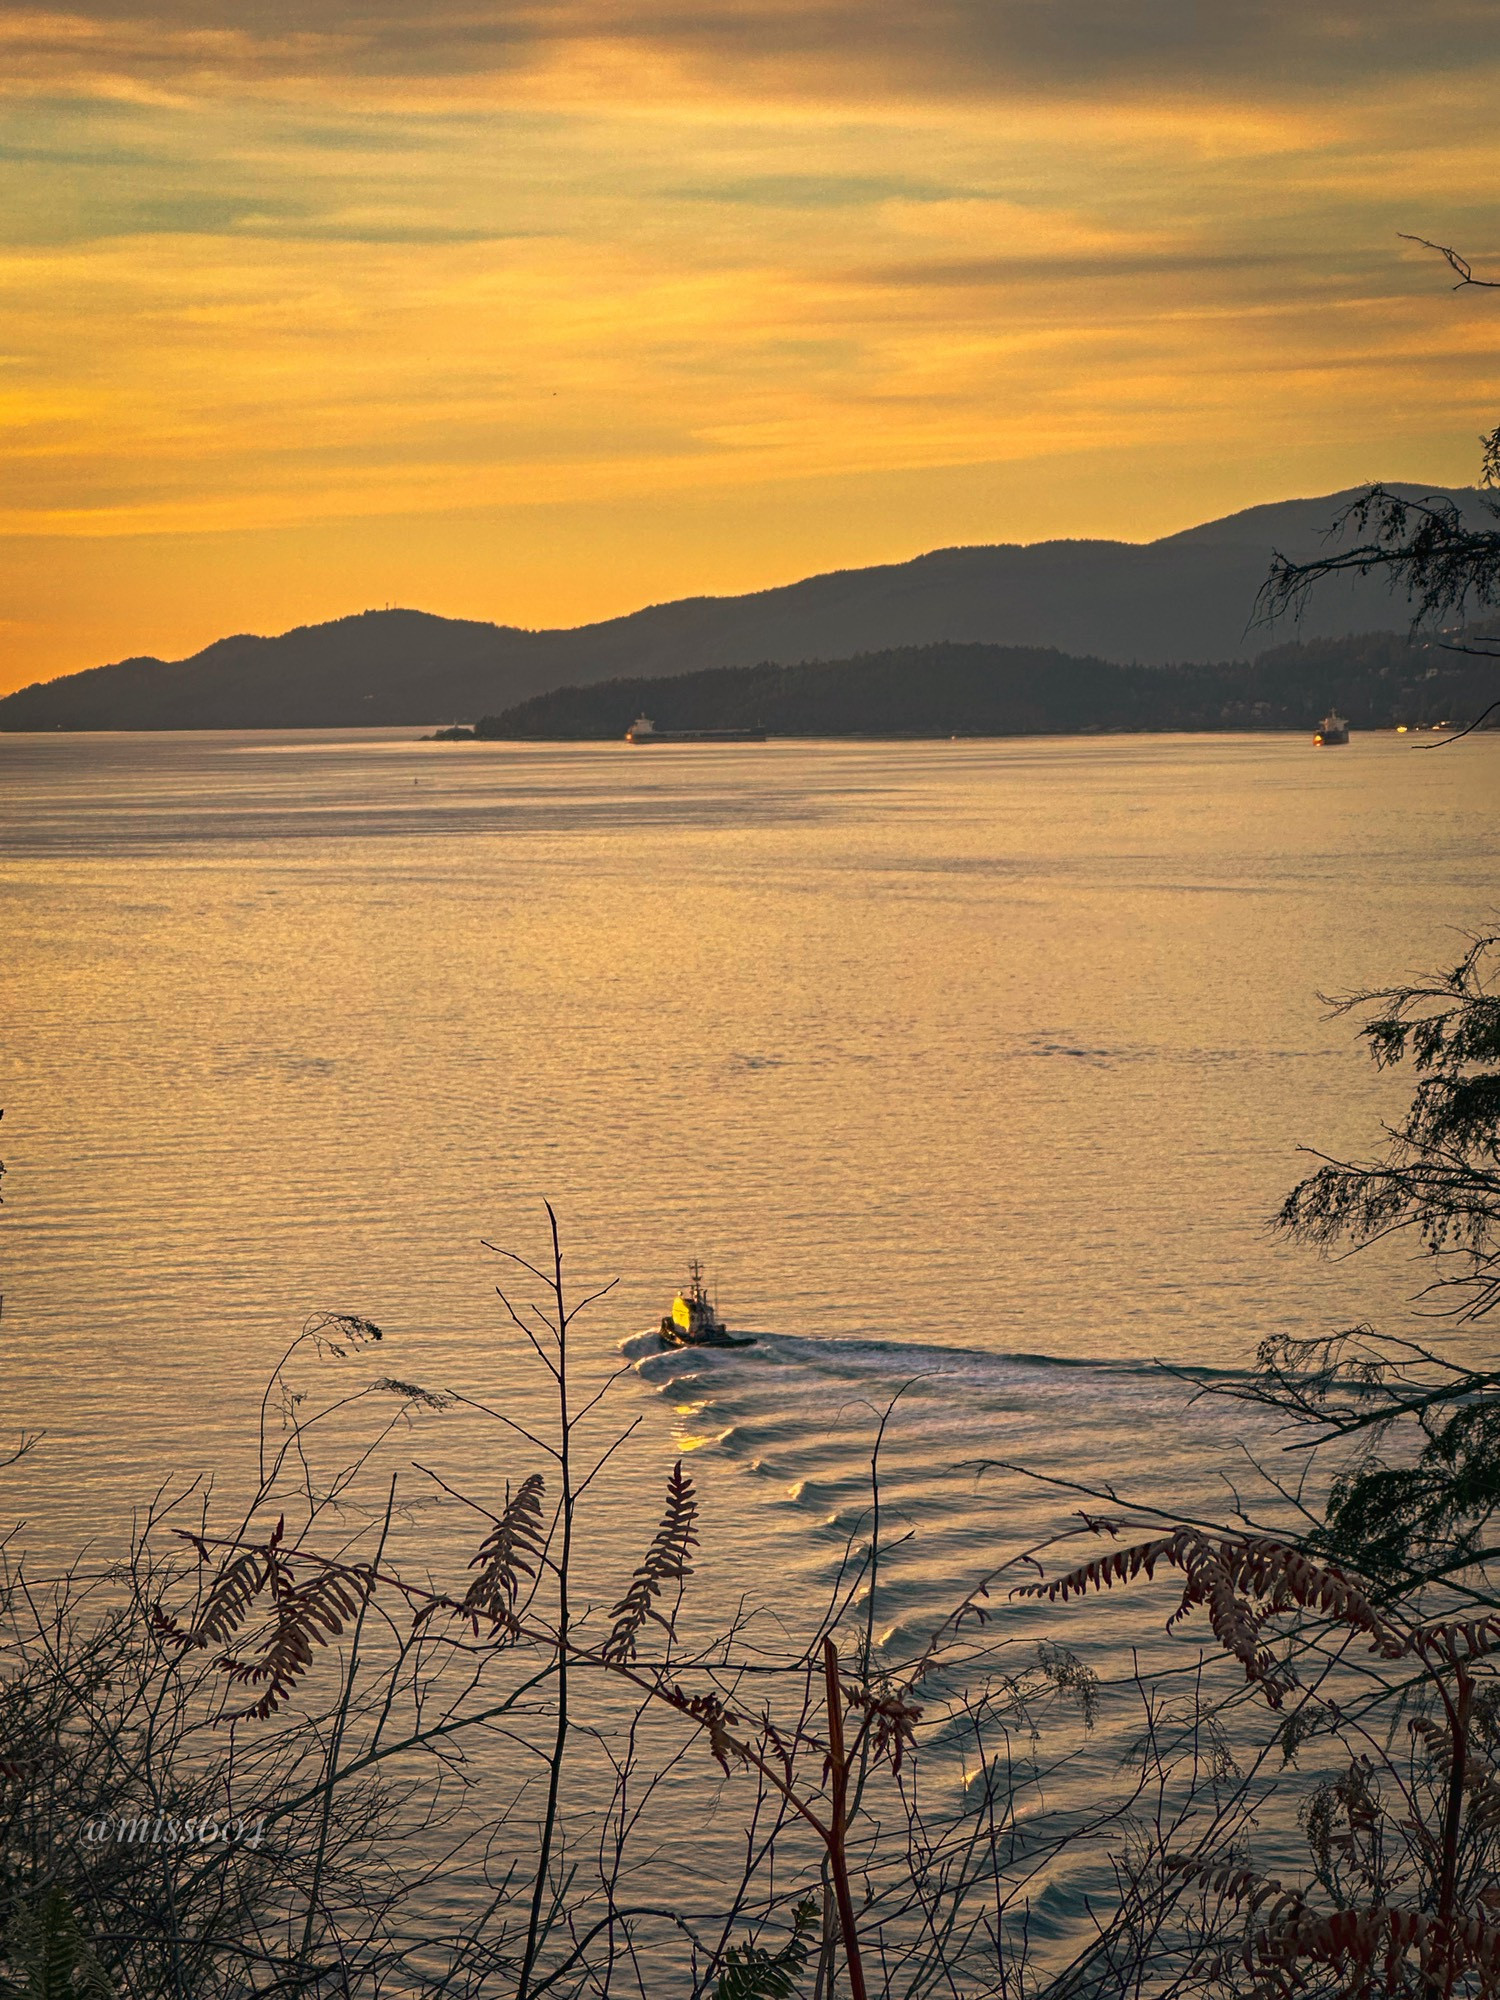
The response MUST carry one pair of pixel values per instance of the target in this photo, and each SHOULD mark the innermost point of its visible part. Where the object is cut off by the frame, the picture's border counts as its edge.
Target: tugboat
(1332, 729)
(694, 1320)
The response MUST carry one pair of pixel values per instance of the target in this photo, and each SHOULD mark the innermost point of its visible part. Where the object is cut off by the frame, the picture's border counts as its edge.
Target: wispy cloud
(1067, 46)
(282, 270)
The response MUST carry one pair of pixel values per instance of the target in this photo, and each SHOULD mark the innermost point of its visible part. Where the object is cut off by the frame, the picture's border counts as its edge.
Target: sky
(542, 312)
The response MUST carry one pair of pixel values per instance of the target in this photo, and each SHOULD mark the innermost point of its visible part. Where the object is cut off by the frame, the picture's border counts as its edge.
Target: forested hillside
(1377, 680)
(1190, 596)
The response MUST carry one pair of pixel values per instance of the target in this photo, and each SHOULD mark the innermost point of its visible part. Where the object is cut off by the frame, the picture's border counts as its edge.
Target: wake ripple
(981, 1455)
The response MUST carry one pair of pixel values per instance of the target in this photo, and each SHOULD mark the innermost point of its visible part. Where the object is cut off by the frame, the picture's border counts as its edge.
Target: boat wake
(980, 1455)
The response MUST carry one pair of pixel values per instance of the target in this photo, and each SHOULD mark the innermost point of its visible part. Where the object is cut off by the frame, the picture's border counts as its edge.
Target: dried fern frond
(666, 1563)
(512, 1549)
(229, 1599)
(306, 1615)
(1291, 1935)
(1457, 1638)
(1224, 1573)
(237, 1584)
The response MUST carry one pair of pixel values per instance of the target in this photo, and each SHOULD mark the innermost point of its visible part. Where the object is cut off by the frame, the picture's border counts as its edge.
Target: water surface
(975, 1066)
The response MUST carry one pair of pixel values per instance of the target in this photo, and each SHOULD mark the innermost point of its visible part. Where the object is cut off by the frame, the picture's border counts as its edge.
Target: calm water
(974, 1062)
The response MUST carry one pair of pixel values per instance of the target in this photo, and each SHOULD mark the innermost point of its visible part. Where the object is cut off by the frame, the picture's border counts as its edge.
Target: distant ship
(694, 1320)
(1332, 729)
(644, 730)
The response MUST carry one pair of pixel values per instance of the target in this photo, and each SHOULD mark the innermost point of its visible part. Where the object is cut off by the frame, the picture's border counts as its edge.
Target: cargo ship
(694, 1320)
(1332, 729)
(644, 730)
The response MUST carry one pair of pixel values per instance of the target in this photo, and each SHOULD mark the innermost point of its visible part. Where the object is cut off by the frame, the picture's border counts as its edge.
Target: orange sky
(545, 312)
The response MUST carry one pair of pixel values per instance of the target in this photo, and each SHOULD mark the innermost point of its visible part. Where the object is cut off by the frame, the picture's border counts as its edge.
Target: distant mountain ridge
(1187, 597)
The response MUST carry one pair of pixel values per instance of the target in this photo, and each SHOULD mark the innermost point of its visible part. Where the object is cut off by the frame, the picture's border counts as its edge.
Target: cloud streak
(1068, 48)
(340, 270)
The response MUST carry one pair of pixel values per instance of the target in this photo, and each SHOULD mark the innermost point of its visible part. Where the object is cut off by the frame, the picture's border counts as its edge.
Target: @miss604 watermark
(167, 1830)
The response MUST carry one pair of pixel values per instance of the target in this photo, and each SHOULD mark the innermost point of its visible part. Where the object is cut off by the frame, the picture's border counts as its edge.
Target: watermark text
(166, 1830)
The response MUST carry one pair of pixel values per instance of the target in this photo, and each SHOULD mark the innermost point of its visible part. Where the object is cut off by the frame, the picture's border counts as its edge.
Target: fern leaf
(1469, 1638)
(1242, 1581)
(666, 1563)
(306, 1615)
(753, 1973)
(234, 1589)
(511, 1550)
(1290, 1935)
(46, 1944)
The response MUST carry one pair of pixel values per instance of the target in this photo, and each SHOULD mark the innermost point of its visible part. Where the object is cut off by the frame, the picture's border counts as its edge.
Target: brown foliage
(1370, 1949)
(666, 1563)
(303, 1615)
(1416, 1896)
(715, 1718)
(235, 1587)
(306, 1614)
(891, 1719)
(510, 1551)
(1242, 1581)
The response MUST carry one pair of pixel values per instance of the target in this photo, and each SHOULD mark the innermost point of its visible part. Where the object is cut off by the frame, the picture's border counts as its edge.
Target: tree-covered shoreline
(1378, 680)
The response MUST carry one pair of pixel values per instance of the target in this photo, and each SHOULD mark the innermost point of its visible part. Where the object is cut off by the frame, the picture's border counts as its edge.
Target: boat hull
(673, 1335)
(696, 736)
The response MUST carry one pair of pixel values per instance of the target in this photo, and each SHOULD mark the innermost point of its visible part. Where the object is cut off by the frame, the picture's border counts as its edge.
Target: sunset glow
(542, 317)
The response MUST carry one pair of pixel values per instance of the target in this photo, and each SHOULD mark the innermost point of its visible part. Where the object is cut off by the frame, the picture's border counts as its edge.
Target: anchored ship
(1332, 729)
(644, 730)
(694, 1319)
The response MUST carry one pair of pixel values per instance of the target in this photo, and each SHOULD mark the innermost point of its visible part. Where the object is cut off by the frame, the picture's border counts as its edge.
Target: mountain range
(1187, 597)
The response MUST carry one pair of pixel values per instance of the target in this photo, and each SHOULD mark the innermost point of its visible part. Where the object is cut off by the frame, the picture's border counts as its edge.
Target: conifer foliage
(1414, 1505)
(1393, 1588)
(1439, 1174)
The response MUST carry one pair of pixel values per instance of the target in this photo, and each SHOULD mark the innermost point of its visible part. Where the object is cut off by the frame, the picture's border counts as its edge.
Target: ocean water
(971, 1070)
